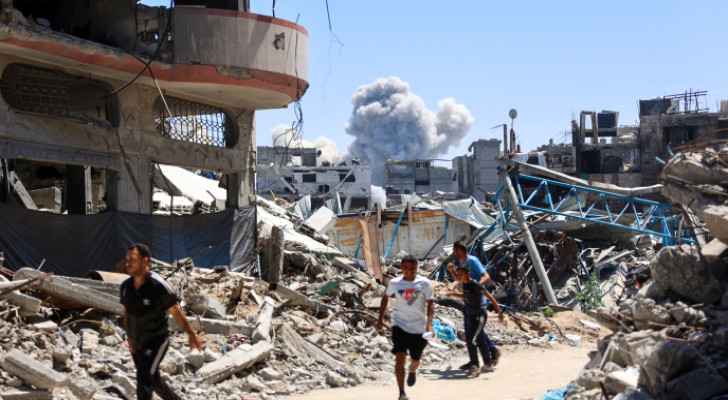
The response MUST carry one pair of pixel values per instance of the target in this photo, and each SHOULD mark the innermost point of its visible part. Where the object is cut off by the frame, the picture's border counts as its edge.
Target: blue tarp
(73, 245)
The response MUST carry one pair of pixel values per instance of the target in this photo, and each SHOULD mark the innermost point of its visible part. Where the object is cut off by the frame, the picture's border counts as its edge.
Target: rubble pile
(308, 325)
(670, 338)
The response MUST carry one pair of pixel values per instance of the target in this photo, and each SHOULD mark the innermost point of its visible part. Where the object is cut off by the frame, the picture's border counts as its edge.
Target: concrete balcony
(270, 54)
(224, 57)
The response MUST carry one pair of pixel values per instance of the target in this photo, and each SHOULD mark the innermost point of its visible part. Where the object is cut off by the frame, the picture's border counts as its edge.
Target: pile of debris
(303, 318)
(670, 339)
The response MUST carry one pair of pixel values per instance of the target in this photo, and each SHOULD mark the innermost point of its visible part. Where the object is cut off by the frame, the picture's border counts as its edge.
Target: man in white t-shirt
(411, 318)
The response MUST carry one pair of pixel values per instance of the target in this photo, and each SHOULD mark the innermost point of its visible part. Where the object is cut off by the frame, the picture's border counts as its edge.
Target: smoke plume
(391, 122)
(282, 135)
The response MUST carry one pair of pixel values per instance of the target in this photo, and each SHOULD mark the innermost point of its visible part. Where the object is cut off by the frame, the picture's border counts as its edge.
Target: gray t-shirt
(410, 303)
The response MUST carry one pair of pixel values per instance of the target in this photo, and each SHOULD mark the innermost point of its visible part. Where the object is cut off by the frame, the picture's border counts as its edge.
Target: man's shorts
(405, 342)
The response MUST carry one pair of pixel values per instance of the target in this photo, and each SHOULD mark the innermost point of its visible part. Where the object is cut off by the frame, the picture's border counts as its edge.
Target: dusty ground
(523, 373)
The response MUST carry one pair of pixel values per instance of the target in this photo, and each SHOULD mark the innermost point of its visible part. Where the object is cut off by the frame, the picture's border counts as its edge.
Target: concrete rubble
(314, 327)
(670, 338)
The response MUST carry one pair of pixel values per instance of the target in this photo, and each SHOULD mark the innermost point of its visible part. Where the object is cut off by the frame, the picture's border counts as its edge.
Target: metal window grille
(55, 93)
(195, 123)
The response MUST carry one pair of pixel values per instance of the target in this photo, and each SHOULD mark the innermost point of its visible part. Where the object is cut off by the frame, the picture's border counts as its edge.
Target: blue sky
(548, 59)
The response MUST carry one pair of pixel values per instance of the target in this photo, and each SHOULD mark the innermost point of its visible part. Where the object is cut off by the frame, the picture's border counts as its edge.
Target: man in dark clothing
(147, 299)
(477, 273)
(476, 314)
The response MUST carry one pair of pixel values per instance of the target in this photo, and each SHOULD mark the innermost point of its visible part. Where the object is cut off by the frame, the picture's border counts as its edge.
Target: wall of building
(129, 149)
(427, 227)
(484, 167)
(418, 176)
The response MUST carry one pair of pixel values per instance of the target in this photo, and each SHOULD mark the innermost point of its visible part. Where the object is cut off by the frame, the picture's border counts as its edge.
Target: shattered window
(55, 93)
(193, 122)
(309, 178)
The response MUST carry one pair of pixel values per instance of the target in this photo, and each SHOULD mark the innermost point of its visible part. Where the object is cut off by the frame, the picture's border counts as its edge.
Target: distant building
(293, 173)
(418, 176)
(630, 155)
(477, 173)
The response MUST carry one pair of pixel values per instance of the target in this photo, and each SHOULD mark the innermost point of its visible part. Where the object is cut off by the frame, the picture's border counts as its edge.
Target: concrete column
(130, 188)
(241, 184)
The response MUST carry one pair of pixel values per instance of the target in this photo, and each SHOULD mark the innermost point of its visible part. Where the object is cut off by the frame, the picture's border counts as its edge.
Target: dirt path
(523, 373)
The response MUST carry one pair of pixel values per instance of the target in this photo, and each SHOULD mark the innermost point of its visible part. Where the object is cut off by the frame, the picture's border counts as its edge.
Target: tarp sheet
(72, 245)
(468, 211)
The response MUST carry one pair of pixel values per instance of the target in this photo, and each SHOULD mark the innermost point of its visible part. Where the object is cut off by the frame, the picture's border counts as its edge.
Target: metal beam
(530, 243)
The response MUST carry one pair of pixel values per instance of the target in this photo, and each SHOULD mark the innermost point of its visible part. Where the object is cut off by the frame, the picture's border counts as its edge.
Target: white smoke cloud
(282, 135)
(391, 122)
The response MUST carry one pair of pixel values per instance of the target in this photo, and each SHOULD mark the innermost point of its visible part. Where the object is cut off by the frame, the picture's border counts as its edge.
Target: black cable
(274, 8)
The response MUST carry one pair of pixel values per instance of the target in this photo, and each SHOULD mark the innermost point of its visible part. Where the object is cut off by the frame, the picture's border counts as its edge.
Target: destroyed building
(294, 173)
(633, 156)
(95, 97)
(477, 172)
(418, 176)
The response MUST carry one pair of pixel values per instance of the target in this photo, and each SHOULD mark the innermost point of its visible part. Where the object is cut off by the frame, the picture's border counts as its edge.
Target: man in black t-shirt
(476, 315)
(147, 299)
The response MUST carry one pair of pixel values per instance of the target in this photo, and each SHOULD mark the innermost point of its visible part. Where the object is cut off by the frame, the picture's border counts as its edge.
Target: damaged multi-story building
(477, 172)
(632, 155)
(297, 172)
(418, 176)
(95, 95)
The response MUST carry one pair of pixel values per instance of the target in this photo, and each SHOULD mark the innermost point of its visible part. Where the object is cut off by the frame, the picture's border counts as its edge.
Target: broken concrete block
(233, 362)
(46, 326)
(681, 270)
(173, 362)
(716, 220)
(125, 385)
(270, 374)
(82, 388)
(653, 291)
(215, 326)
(254, 384)
(714, 250)
(646, 313)
(89, 341)
(264, 321)
(26, 395)
(32, 371)
(590, 378)
(668, 361)
(682, 313)
(619, 381)
(196, 359)
(335, 380)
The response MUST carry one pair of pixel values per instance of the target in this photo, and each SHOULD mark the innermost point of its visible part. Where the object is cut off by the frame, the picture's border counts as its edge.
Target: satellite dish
(513, 113)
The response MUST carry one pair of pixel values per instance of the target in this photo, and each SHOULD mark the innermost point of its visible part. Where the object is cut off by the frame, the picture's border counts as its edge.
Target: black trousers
(149, 381)
(476, 338)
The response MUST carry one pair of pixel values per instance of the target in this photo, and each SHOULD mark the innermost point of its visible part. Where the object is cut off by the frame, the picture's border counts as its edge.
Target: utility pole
(530, 243)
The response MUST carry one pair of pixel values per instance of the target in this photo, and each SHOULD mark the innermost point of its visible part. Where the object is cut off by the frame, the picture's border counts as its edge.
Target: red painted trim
(241, 14)
(179, 73)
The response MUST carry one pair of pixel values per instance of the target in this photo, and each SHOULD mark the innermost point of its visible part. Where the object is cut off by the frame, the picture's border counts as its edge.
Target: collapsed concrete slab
(716, 219)
(234, 362)
(32, 371)
(66, 290)
(681, 270)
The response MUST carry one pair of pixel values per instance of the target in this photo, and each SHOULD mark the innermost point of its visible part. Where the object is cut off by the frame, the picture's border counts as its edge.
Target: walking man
(477, 273)
(476, 315)
(147, 299)
(411, 318)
